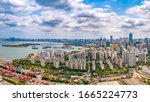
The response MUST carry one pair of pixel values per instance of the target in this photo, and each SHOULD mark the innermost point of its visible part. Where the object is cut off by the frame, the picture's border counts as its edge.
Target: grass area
(147, 81)
(147, 64)
(107, 71)
(3, 67)
(56, 79)
(66, 57)
(148, 55)
(73, 52)
(65, 80)
(49, 68)
(13, 81)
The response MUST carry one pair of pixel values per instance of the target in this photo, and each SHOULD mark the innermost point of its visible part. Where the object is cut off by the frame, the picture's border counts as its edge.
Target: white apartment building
(142, 57)
(132, 60)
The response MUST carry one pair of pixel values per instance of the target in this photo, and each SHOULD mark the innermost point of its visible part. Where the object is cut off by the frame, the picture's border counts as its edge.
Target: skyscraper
(107, 44)
(125, 57)
(93, 65)
(130, 37)
(142, 57)
(111, 39)
(146, 40)
(132, 60)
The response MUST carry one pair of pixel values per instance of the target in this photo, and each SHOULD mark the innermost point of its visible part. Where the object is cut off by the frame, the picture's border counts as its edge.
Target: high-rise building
(148, 47)
(120, 62)
(84, 65)
(56, 64)
(76, 64)
(114, 60)
(146, 40)
(109, 53)
(142, 57)
(129, 48)
(132, 60)
(130, 38)
(107, 44)
(32, 60)
(101, 64)
(41, 55)
(111, 66)
(93, 65)
(111, 39)
(101, 55)
(105, 55)
(42, 62)
(125, 57)
(93, 53)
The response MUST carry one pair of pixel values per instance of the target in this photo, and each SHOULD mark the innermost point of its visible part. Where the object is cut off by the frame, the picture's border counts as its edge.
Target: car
(37, 73)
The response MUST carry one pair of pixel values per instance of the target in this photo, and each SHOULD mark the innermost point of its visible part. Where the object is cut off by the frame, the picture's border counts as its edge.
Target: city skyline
(74, 18)
(110, 38)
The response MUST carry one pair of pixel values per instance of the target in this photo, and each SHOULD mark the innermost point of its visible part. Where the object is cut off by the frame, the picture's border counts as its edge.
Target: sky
(75, 19)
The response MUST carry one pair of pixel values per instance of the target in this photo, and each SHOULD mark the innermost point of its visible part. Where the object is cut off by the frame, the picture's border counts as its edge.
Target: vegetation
(23, 63)
(85, 82)
(97, 57)
(13, 81)
(75, 52)
(66, 57)
(60, 80)
(147, 81)
(63, 70)
(49, 68)
(65, 80)
(108, 72)
(148, 64)
(148, 56)
(3, 67)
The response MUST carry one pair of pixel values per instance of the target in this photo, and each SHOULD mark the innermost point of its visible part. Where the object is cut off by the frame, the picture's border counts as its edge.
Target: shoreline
(9, 55)
(5, 61)
(19, 45)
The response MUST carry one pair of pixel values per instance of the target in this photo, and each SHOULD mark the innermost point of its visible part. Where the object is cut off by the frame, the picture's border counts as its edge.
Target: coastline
(19, 45)
(10, 53)
(5, 61)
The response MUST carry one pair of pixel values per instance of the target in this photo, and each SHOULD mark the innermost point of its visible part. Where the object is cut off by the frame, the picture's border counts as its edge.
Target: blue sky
(74, 18)
(118, 6)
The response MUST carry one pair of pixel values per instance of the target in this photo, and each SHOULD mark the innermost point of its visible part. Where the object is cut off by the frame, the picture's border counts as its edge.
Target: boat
(46, 47)
(35, 47)
(67, 47)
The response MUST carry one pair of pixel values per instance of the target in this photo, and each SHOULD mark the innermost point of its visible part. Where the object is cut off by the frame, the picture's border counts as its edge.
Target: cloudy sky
(74, 18)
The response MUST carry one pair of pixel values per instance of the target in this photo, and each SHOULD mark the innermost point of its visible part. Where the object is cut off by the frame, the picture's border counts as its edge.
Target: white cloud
(64, 4)
(15, 2)
(142, 11)
(23, 7)
(71, 18)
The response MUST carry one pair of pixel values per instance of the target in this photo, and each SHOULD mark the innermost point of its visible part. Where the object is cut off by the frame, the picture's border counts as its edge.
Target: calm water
(10, 53)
